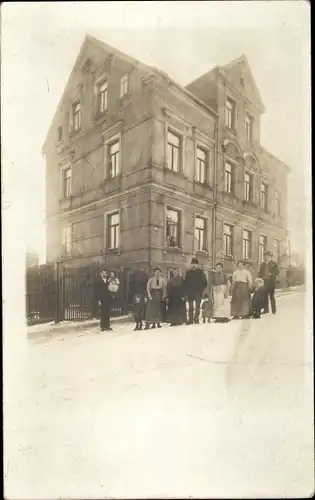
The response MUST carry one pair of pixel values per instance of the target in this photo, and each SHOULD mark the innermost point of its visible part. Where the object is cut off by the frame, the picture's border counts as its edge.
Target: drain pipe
(214, 208)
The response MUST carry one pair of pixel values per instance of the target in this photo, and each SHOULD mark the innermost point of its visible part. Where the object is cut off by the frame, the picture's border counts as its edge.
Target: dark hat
(157, 269)
(194, 261)
(268, 253)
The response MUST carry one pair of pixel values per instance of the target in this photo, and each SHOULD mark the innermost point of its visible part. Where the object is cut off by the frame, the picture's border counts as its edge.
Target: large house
(143, 172)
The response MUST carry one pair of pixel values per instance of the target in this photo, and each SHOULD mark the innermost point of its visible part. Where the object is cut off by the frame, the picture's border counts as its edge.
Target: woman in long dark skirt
(175, 292)
(242, 283)
(156, 288)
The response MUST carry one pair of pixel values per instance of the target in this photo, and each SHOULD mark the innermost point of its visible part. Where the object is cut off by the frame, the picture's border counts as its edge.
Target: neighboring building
(134, 163)
(32, 260)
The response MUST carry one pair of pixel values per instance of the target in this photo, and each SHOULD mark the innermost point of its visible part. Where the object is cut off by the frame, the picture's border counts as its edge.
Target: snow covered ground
(200, 411)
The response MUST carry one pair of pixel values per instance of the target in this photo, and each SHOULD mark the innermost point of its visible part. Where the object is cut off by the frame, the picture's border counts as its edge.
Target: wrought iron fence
(57, 293)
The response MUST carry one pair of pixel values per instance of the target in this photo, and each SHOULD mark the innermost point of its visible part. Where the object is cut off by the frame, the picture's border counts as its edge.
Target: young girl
(138, 310)
(206, 308)
(258, 298)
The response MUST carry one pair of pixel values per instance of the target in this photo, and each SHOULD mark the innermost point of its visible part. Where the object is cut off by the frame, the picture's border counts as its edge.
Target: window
(102, 96)
(262, 247)
(173, 228)
(248, 127)
(228, 239)
(247, 244)
(228, 177)
(113, 231)
(277, 203)
(277, 250)
(76, 116)
(114, 159)
(264, 196)
(124, 85)
(201, 174)
(66, 240)
(59, 134)
(67, 182)
(230, 107)
(248, 184)
(200, 234)
(173, 151)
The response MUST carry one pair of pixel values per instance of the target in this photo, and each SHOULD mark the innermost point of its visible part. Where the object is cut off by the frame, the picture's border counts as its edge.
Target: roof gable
(239, 74)
(93, 53)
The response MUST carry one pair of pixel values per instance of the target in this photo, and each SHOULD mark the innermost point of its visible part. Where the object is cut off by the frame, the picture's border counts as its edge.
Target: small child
(258, 298)
(138, 311)
(206, 308)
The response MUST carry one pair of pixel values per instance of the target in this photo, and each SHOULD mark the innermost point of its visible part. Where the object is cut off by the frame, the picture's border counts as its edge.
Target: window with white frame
(76, 116)
(228, 177)
(277, 203)
(228, 239)
(262, 247)
(102, 96)
(230, 109)
(114, 159)
(66, 241)
(113, 231)
(248, 185)
(276, 245)
(67, 182)
(201, 165)
(173, 151)
(201, 234)
(248, 127)
(264, 196)
(124, 85)
(247, 244)
(173, 228)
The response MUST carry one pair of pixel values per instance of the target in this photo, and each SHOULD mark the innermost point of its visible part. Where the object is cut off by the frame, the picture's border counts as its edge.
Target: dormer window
(124, 85)
(59, 134)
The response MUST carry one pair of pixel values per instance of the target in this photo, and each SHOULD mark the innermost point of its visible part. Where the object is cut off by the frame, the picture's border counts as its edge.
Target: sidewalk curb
(72, 327)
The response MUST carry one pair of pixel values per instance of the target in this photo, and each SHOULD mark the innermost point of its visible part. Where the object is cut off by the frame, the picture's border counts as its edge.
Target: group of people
(157, 300)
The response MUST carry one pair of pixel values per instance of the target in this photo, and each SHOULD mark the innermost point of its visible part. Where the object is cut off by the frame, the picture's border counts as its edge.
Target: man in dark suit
(195, 284)
(269, 271)
(103, 298)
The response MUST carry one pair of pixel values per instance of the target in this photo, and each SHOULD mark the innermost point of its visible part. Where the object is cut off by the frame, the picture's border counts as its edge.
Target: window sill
(173, 249)
(125, 96)
(228, 257)
(98, 115)
(178, 173)
(112, 251)
(231, 130)
(202, 252)
(203, 184)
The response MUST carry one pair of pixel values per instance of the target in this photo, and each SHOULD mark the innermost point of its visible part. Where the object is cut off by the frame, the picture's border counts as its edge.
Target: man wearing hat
(195, 284)
(269, 271)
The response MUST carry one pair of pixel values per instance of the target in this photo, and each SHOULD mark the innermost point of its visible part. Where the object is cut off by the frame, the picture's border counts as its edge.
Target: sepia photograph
(157, 250)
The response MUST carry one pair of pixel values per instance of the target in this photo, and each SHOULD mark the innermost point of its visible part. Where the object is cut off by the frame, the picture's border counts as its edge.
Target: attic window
(59, 134)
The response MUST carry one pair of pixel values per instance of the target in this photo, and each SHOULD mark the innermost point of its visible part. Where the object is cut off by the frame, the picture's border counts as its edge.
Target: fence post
(57, 318)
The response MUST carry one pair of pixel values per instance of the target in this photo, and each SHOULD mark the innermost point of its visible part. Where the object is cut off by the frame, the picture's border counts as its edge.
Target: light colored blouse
(243, 276)
(155, 283)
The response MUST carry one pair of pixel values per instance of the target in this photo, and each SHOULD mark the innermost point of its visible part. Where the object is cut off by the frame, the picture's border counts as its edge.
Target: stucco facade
(116, 185)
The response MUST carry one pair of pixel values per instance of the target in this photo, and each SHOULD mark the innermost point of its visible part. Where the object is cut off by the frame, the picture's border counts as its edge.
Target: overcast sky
(40, 42)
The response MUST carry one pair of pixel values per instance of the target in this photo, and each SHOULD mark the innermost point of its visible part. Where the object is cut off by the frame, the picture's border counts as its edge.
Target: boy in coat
(258, 298)
(195, 284)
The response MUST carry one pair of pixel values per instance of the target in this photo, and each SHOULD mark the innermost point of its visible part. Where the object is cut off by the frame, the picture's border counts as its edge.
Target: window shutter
(70, 120)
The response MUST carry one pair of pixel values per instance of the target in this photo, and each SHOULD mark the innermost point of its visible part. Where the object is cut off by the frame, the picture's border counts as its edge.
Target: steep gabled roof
(90, 40)
(243, 60)
(124, 57)
(219, 69)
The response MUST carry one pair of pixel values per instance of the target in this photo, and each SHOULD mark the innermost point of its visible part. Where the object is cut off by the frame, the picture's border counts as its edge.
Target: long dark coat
(175, 291)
